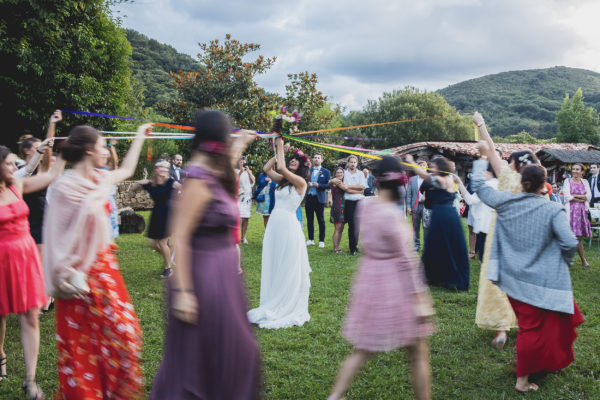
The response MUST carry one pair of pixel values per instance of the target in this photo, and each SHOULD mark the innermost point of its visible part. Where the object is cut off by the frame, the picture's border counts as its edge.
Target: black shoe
(166, 273)
(353, 253)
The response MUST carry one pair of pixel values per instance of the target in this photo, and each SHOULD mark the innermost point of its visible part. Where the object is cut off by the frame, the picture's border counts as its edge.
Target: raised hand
(478, 119)
(56, 117)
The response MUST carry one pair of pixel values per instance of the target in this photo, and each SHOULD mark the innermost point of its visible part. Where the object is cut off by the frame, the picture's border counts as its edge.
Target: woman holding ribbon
(98, 334)
(210, 350)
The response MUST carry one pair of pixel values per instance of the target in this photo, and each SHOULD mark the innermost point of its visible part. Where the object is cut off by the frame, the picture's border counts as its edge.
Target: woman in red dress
(21, 275)
(98, 333)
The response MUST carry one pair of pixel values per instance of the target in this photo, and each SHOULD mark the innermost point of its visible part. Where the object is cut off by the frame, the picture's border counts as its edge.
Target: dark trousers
(313, 207)
(349, 210)
(417, 217)
(480, 245)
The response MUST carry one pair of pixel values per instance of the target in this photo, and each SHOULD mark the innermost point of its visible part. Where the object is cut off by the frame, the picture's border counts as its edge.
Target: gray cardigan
(533, 245)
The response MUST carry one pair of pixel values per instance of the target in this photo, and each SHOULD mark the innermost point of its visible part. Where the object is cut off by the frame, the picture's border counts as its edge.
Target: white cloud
(360, 49)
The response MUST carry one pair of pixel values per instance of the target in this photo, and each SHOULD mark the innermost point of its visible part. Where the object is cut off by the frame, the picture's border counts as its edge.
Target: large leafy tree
(411, 103)
(61, 54)
(576, 122)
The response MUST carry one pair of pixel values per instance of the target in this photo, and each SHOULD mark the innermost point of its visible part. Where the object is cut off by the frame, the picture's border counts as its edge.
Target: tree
(411, 103)
(61, 54)
(576, 122)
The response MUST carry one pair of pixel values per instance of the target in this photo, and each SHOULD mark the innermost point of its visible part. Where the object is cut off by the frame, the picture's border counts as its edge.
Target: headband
(213, 147)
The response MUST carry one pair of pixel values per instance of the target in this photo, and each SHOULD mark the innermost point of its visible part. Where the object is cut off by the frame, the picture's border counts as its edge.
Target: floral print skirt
(99, 339)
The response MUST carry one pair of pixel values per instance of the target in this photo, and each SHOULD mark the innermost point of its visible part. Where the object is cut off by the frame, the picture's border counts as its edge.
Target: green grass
(301, 362)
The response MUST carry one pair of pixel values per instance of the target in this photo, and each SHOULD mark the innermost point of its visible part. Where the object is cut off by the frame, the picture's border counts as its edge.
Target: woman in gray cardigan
(529, 262)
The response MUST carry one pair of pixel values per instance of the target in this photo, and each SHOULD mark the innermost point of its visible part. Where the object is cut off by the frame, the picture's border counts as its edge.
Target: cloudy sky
(359, 49)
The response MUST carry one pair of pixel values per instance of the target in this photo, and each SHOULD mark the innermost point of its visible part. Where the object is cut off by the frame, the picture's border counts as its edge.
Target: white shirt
(351, 179)
(481, 213)
(245, 188)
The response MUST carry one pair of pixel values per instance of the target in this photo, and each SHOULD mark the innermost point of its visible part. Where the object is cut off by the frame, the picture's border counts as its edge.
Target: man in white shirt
(594, 181)
(355, 183)
(175, 170)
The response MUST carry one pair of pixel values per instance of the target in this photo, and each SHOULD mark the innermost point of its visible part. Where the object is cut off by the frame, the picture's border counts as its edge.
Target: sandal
(3, 367)
(32, 390)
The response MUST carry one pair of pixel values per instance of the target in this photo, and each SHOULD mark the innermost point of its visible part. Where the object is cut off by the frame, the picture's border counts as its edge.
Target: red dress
(21, 273)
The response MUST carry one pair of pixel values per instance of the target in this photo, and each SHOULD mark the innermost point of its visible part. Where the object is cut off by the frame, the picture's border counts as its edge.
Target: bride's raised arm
(296, 180)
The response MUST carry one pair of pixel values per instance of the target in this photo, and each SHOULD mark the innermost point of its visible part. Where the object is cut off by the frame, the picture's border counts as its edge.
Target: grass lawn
(301, 363)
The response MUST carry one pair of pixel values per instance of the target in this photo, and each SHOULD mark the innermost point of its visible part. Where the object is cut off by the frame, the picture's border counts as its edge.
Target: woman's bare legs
(472, 241)
(350, 367)
(418, 355)
(337, 235)
(523, 384)
(30, 339)
(2, 354)
(244, 229)
(162, 247)
(266, 220)
(580, 251)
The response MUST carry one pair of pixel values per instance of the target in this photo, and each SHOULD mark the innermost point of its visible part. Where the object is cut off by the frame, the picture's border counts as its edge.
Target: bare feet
(523, 385)
(499, 340)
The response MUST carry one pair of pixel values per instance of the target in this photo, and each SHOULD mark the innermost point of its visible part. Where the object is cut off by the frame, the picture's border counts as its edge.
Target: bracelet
(480, 123)
(39, 152)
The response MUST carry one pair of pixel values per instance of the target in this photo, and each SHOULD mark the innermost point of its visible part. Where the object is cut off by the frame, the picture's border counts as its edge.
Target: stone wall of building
(136, 199)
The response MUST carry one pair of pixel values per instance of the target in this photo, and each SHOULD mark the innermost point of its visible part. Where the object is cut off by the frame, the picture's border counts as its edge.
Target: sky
(361, 49)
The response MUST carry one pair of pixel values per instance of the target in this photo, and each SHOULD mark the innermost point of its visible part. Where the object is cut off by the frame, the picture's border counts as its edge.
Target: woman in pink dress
(21, 274)
(390, 304)
(578, 194)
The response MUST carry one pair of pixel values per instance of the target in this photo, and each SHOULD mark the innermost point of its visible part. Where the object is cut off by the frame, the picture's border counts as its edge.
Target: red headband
(213, 147)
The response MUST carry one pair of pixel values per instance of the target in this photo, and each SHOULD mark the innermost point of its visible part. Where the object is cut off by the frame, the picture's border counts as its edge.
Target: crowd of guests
(204, 209)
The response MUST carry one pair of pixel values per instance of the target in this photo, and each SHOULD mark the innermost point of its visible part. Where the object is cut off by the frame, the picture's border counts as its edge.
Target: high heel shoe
(3, 367)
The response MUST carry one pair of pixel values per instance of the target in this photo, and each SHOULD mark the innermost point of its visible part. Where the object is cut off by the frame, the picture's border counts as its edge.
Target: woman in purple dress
(577, 201)
(210, 349)
(390, 304)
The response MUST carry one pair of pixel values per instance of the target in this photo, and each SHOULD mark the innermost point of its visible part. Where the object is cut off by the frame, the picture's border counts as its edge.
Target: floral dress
(337, 206)
(580, 224)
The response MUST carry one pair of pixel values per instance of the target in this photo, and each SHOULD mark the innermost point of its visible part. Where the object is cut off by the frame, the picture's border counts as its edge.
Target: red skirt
(99, 339)
(545, 338)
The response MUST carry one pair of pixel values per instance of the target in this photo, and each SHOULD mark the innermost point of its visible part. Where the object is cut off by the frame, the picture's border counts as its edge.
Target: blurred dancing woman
(578, 194)
(530, 264)
(98, 334)
(21, 273)
(445, 255)
(390, 302)
(210, 349)
(160, 188)
(284, 280)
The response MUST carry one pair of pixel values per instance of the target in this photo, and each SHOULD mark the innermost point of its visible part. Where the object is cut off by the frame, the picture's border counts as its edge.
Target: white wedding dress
(285, 282)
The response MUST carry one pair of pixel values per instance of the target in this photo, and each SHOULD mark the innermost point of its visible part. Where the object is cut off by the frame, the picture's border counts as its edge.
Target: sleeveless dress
(580, 224)
(381, 316)
(337, 205)
(21, 274)
(160, 194)
(218, 357)
(285, 281)
(445, 255)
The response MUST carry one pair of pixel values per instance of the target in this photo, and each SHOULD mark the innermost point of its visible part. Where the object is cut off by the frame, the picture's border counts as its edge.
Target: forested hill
(152, 62)
(523, 100)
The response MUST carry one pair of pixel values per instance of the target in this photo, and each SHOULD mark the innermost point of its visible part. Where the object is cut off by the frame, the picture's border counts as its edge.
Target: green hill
(152, 62)
(523, 100)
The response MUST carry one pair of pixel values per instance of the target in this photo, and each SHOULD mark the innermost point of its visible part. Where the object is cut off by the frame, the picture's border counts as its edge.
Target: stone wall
(136, 199)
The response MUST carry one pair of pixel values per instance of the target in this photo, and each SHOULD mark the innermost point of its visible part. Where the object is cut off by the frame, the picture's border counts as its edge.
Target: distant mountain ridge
(523, 100)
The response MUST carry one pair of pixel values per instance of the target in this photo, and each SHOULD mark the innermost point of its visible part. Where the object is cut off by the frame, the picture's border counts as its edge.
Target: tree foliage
(411, 103)
(61, 54)
(576, 122)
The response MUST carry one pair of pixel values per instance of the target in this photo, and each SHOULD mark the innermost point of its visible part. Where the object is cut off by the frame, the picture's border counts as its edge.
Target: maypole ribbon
(343, 128)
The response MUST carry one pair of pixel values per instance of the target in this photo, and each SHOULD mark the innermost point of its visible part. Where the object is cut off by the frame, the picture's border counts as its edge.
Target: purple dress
(580, 224)
(217, 358)
(381, 315)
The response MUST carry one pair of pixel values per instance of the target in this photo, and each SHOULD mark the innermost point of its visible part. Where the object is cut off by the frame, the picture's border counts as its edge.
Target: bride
(285, 282)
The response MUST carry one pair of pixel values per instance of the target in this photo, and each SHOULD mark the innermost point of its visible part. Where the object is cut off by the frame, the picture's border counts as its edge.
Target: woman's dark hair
(302, 171)
(25, 142)
(81, 139)
(215, 126)
(389, 175)
(440, 165)
(5, 152)
(522, 158)
(336, 170)
(532, 178)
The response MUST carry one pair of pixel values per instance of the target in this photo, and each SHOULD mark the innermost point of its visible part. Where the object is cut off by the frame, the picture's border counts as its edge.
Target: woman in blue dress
(445, 254)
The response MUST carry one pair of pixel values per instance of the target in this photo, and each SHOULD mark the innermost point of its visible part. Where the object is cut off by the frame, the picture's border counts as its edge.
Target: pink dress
(21, 274)
(580, 224)
(381, 316)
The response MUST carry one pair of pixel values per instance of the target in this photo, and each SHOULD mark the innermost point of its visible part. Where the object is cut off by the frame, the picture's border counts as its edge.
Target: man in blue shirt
(315, 200)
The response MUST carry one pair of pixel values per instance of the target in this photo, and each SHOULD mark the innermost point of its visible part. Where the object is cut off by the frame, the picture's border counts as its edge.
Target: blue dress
(160, 194)
(445, 255)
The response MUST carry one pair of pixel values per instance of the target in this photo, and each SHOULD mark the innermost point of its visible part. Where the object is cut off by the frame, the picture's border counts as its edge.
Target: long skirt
(99, 339)
(545, 338)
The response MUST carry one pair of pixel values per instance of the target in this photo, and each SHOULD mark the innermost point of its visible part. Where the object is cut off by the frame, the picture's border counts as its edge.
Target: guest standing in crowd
(370, 189)
(210, 350)
(336, 216)
(160, 189)
(402, 193)
(265, 196)
(21, 271)
(113, 164)
(97, 330)
(175, 172)
(415, 204)
(535, 243)
(556, 196)
(285, 273)
(577, 202)
(445, 255)
(315, 200)
(390, 304)
(246, 181)
(480, 215)
(594, 181)
(354, 183)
